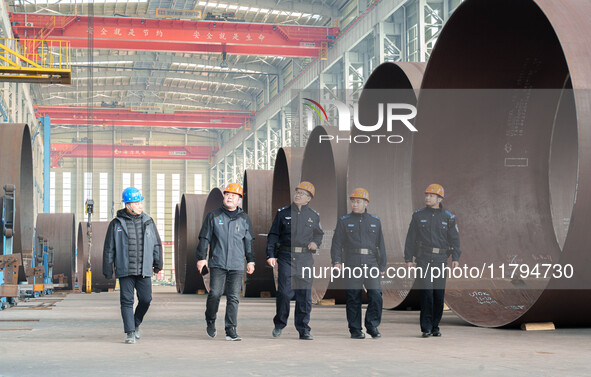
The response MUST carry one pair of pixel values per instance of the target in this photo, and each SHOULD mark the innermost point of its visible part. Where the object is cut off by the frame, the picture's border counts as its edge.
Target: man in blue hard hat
(133, 246)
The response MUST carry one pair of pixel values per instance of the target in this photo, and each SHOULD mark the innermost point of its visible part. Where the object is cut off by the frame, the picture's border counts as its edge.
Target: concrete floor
(82, 335)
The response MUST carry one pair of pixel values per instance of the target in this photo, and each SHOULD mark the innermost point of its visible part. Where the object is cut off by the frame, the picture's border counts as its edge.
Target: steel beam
(147, 34)
(68, 150)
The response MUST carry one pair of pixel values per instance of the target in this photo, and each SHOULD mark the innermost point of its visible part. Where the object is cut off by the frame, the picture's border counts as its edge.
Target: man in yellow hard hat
(358, 244)
(294, 236)
(432, 237)
(227, 231)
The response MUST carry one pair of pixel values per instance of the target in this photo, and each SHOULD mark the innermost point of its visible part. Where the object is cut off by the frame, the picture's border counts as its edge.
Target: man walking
(294, 236)
(432, 237)
(133, 246)
(358, 243)
(227, 231)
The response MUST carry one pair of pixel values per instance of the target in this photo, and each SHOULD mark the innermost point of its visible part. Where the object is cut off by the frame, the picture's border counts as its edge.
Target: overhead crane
(153, 34)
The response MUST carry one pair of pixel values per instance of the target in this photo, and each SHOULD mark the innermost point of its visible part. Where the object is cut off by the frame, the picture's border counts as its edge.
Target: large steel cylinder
(384, 168)
(59, 229)
(191, 219)
(99, 232)
(286, 176)
(17, 169)
(177, 218)
(512, 160)
(215, 199)
(325, 166)
(257, 204)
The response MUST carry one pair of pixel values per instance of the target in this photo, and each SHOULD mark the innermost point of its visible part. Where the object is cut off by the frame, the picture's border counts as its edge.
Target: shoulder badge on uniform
(374, 216)
(282, 208)
(345, 217)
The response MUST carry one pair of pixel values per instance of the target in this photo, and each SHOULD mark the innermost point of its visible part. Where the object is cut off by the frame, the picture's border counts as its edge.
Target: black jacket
(431, 228)
(358, 231)
(306, 228)
(135, 241)
(116, 249)
(229, 237)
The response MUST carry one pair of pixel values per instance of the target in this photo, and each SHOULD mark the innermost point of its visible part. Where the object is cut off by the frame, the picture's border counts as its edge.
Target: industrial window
(160, 199)
(104, 184)
(87, 187)
(126, 181)
(66, 192)
(137, 181)
(176, 194)
(198, 183)
(52, 192)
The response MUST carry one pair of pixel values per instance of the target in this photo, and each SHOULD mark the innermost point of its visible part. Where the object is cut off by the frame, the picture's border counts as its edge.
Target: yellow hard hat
(360, 193)
(305, 185)
(436, 189)
(234, 188)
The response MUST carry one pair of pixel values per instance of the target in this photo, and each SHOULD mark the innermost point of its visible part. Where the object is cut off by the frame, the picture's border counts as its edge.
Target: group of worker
(226, 238)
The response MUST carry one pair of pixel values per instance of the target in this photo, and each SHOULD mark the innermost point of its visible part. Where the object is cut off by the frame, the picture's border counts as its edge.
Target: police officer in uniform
(432, 237)
(358, 242)
(294, 236)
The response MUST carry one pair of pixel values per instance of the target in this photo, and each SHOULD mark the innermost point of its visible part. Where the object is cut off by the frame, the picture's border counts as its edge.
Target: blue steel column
(45, 121)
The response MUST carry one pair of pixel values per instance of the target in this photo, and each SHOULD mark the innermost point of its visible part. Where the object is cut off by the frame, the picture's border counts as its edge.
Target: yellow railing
(35, 60)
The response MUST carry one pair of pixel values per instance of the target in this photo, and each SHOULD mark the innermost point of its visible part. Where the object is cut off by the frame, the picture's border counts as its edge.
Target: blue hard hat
(132, 195)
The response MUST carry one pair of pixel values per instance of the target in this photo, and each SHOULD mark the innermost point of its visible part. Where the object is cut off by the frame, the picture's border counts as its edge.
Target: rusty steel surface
(59, 229)
(177, 218)
(215, 199)
(505, 210)
(99, 232)
(384, 169)
(17, 169)
(258, 188)
(325, 165)
(191, 219)
(286, 176)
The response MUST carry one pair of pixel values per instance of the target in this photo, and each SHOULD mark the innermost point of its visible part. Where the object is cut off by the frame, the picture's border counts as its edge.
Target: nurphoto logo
(395, 112)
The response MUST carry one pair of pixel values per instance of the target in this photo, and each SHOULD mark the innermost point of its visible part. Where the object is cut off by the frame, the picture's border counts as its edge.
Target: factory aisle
(82, 335)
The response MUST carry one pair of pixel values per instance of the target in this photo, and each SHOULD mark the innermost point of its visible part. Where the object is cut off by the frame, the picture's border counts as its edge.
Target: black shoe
(277, 332)
(232, 336)
(436, 333)
(211, 331)
(357, 335)
(306, 336)
(427, 334)
(374, 334)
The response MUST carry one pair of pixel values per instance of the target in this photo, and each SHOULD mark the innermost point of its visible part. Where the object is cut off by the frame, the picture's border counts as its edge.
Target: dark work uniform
(133, 249)
(432, 236)
(293, 230)
(357, 242)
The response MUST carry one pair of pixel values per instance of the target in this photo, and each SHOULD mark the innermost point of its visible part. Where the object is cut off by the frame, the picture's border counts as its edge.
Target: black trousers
(353, 291)
(143, 287)
(431, 293)
(291, 283)
(230, 282)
